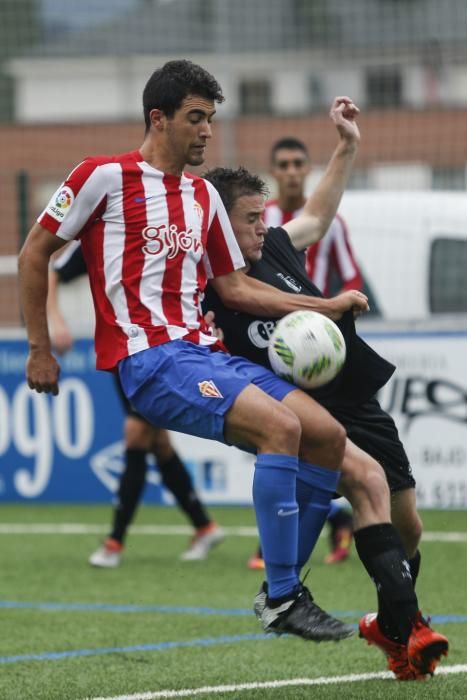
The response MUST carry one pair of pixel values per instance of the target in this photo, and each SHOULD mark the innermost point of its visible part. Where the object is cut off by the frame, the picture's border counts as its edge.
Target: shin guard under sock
(129, 492)
(315, 488)
(277, 519)
(177, 480)
(385, 620)
(414, 564)
(380, 550)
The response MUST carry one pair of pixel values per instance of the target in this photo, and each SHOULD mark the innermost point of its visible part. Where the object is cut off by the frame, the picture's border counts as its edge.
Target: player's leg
(384, 626)
(381, 552)
(321, 449)
(137, 433)
(188, 388)
(275, 438)
(406, 520)
(341, 536)
(284, 605)
(324, 443)
(375, 432)
(420, 653)
(203, 393)
(177, 480)
(133, 479)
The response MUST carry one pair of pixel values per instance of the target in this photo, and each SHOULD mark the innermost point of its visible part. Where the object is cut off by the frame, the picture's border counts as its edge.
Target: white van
(412, 248)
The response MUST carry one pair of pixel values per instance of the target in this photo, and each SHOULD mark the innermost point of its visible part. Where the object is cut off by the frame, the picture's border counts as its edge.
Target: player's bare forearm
(42, 370)
(33, 272)
(321, 207)
(32, 275)
(247, 294)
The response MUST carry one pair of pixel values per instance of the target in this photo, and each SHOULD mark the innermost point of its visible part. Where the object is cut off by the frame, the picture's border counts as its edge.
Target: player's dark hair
(289, 142)
(232, 184)
(170, 85)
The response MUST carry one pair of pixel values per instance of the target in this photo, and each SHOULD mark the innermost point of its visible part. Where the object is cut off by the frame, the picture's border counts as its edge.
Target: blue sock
(315, 489)
(277, 519)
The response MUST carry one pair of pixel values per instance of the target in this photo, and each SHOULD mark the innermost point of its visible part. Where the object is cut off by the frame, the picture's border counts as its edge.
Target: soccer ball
(307, 349)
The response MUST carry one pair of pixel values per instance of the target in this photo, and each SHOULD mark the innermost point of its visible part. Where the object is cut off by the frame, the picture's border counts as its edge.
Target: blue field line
(179, 609)
(161, 646)
(124, 608)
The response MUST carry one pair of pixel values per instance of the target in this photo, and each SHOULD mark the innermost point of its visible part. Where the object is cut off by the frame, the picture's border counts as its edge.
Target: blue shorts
(189, 388)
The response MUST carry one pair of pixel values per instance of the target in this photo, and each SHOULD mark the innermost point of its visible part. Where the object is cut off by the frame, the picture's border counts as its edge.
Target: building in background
(71, 78)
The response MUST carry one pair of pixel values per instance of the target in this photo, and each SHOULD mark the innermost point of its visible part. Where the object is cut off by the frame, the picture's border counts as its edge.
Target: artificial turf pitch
(70, 632)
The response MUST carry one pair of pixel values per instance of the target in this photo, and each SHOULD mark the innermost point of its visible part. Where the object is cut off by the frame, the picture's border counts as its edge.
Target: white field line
(82, 529)
(215, 689)
(240, 531)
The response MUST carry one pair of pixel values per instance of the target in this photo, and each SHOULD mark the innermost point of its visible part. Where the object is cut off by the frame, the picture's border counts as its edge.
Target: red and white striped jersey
(275, 216)
(151, 241)
(333, 253)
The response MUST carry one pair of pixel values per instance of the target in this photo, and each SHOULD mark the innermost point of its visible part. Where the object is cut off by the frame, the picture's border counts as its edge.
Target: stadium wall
(69, 448)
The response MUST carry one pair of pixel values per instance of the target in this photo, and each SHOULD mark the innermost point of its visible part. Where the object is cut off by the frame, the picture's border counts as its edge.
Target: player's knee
(137, 434)
(410, 529)
(375, 483)
(325, 445)
(161, 445)
(283, 432)
(337, 438)
(366, 486)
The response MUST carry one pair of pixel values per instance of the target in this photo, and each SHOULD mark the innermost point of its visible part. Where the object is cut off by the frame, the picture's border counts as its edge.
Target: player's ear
(157, 118)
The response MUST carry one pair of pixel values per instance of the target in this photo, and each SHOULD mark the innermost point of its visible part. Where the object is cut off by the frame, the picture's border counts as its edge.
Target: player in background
(141, 439)
(273, 256)
(333, 254)
(332, 267)
(152, 234)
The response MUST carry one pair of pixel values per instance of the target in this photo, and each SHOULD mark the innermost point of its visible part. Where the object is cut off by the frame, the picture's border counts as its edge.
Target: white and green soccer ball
(307, 349)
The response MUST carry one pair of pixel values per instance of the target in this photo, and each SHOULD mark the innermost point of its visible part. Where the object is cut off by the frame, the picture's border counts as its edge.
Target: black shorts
(374, 431)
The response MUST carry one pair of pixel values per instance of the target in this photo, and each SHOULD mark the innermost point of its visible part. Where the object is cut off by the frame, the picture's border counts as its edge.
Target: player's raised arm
(42, 370)
(321, 206)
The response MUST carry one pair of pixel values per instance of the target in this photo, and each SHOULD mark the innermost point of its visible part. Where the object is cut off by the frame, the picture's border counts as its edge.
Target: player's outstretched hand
(218, 332)
(344, 113)
(352, 299)
(42, 372)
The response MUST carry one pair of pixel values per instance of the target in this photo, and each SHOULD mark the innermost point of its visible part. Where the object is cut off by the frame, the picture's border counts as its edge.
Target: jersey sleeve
(223, 254)
(75, 201)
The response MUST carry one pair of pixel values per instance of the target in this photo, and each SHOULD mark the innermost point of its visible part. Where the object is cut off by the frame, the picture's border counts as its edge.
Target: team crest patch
(199, 212)
(209, 389)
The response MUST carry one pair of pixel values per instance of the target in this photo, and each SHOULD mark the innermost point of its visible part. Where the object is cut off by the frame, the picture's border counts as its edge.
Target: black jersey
(281, 266)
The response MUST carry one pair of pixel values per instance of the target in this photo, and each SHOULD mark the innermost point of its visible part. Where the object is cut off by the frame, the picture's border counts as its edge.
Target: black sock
(176, 479)
(385, 620)
(414, 564)
(380, 550)
(129, 492)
